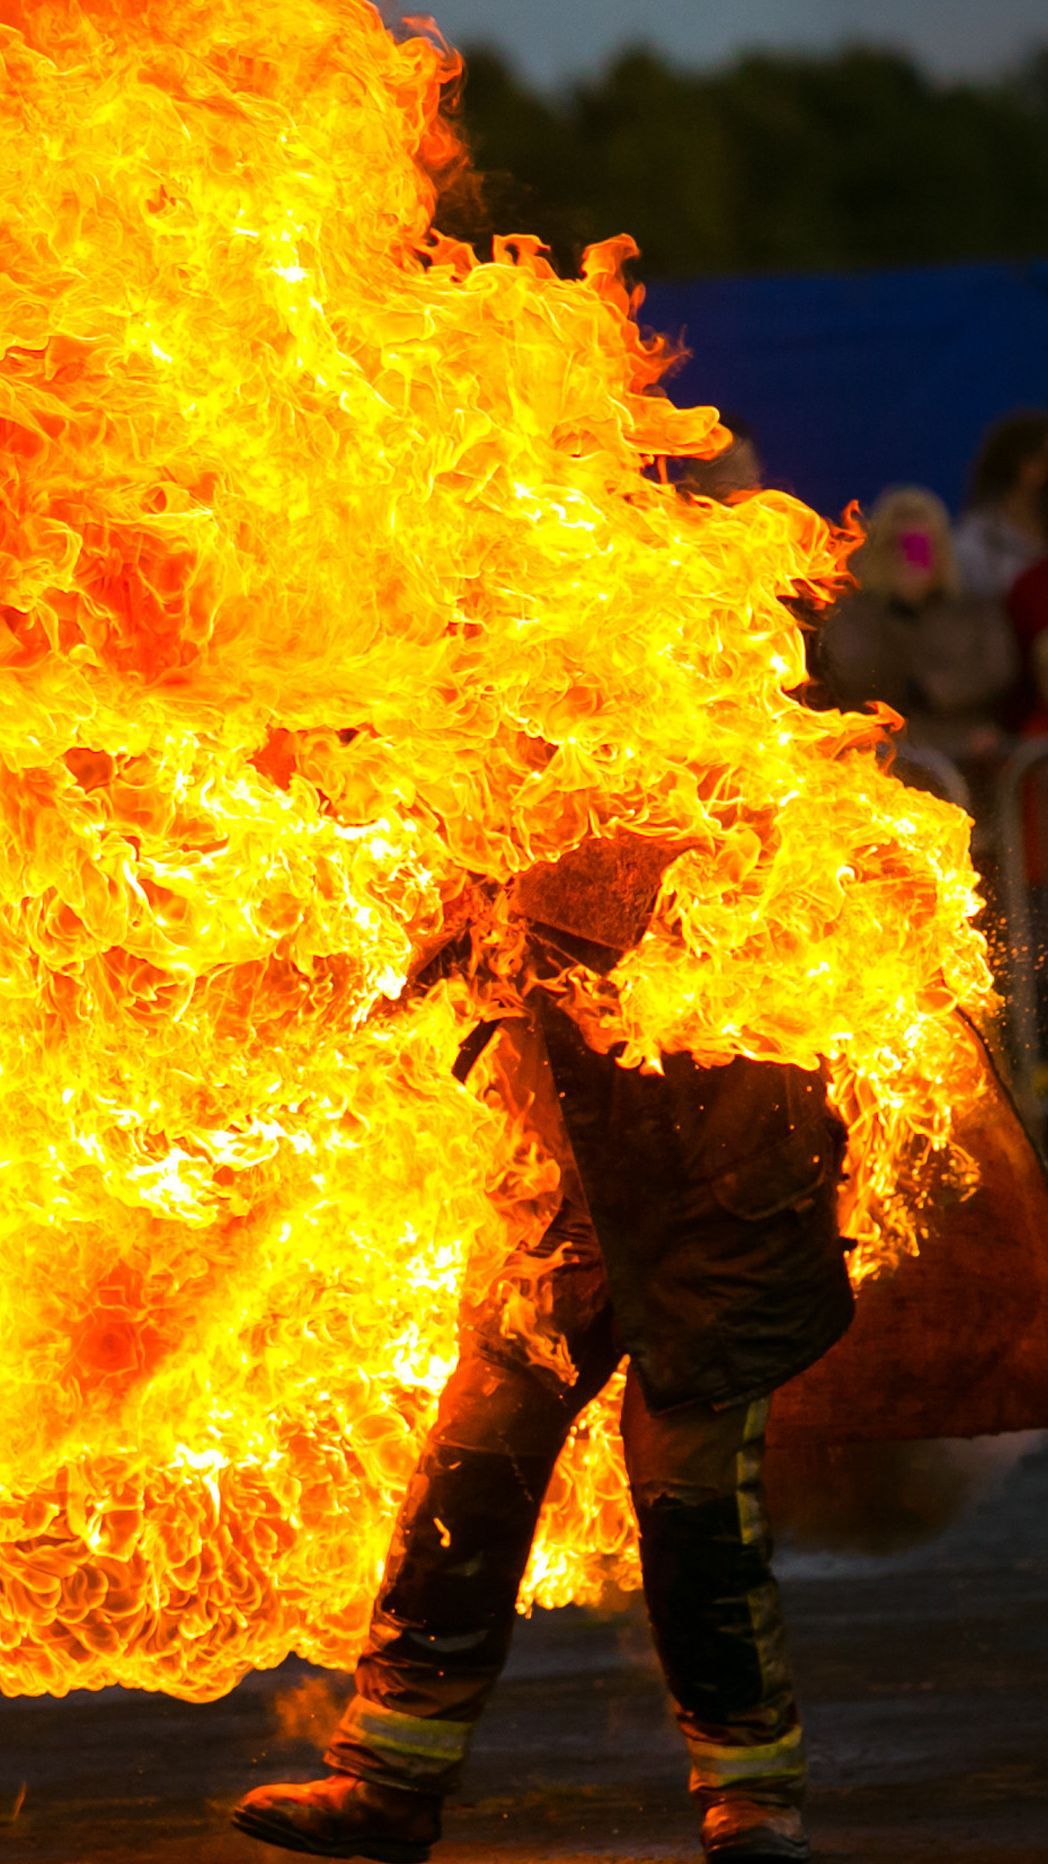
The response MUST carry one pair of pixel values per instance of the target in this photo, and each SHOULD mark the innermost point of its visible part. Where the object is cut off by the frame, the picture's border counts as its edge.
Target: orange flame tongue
(331, 579)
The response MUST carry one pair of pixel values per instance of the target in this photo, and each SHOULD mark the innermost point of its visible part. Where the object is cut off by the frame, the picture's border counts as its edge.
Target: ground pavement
(924, 1676)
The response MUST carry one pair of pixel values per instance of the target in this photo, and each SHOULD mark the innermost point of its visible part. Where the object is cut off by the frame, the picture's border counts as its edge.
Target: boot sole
(275, 1832)
(738, 1854)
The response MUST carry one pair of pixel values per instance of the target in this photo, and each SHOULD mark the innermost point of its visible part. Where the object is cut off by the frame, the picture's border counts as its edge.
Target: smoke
(880, 1498)
(309, 1710)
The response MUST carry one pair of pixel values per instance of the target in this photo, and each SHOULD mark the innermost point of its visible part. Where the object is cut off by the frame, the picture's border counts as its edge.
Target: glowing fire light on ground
(332, 587)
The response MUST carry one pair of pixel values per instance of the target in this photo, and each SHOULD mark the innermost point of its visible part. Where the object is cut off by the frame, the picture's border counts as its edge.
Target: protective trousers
(445, 1612)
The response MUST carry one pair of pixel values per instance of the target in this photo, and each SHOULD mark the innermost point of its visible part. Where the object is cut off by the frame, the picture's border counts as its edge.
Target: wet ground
(924, 1677)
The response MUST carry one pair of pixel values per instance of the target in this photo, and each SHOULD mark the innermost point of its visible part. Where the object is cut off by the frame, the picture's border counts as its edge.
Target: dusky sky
(554, 40)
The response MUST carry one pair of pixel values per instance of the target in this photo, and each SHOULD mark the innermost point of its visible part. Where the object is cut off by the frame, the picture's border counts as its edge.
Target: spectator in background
(946, 661)
(1028, 613)
(1005, 527)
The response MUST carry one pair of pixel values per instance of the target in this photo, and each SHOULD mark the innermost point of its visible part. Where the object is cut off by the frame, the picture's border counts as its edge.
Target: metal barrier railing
(941, 774)
(1022, 943)
(1005, 848)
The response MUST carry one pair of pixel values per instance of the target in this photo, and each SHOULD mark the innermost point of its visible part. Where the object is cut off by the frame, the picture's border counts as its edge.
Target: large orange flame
(333, 588)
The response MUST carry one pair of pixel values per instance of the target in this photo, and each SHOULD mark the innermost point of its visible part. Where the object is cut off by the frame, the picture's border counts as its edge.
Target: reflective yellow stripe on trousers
(423, 1744)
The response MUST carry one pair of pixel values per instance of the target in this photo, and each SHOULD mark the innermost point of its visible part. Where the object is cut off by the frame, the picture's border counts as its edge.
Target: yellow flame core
(331, 584)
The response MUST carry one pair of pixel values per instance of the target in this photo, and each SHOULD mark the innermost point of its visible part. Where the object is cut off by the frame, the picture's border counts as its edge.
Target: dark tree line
(776, 162)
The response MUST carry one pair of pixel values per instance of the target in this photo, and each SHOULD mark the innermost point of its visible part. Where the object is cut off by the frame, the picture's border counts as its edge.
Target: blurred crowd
(949, 625)
(947, 622)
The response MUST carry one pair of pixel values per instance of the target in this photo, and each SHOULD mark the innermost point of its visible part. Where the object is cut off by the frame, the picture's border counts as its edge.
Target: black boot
(743, 1832)
(341, 1817)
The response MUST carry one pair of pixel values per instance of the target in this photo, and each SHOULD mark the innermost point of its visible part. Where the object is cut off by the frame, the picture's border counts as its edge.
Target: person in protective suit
(696, 1234)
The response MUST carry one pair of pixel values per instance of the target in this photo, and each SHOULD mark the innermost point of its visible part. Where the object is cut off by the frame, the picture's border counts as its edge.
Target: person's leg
(445, 1611)
(695, 1476)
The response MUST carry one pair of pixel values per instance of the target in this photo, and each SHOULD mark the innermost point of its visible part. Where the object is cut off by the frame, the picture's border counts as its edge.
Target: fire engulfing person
(367, 687)
(695, 1230)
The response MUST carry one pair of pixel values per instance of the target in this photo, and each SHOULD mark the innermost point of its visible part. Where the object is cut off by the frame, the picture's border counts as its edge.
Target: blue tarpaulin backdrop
(856, 381)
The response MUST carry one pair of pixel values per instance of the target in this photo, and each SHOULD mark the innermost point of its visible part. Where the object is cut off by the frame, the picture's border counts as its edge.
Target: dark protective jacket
(712, 1190)
(713, 1195)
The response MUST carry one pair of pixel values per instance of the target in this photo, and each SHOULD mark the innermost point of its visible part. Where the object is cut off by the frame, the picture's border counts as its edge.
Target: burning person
(337, 582)
(696, 1232)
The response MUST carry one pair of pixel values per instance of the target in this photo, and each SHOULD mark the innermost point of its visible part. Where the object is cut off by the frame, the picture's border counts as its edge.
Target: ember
(334, 592)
